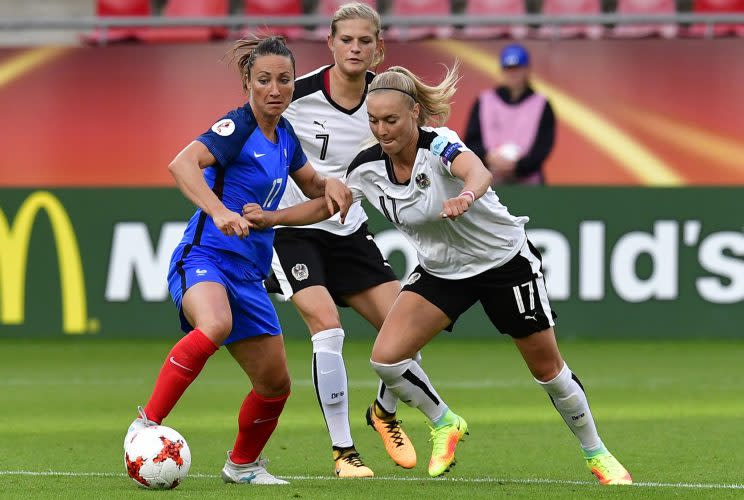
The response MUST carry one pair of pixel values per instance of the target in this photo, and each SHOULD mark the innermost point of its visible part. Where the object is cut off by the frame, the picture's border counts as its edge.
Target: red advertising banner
(630, 112)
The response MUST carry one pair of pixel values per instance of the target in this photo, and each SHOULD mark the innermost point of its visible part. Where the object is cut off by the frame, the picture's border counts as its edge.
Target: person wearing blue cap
(511, 127)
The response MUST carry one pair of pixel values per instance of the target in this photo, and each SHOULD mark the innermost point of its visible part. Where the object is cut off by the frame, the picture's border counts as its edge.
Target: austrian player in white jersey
(326, 264)
(470, 249)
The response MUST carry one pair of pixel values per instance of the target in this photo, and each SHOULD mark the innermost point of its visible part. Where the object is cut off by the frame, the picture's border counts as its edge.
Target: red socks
(257, 419)
(258, 415)
(181, 367)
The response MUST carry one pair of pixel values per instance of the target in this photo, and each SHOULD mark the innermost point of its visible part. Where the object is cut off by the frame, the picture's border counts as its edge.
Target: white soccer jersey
(487, 236)
(331, 137)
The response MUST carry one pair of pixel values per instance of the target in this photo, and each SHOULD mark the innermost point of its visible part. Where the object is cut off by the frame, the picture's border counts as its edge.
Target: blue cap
(514, 56)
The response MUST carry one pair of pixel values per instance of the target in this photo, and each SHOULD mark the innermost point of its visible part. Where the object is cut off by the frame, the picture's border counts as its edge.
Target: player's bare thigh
(374, 303)
(265, 362)
(317, 308)
(412, 322)
(206, 307)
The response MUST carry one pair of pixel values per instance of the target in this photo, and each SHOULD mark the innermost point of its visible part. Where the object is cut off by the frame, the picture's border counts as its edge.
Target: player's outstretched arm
(310, 182)
(313, 185)
(468, 167)
(301, 214)
(338, 198)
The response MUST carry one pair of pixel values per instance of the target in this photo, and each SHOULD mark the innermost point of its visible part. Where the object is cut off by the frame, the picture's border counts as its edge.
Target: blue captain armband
(451, 152)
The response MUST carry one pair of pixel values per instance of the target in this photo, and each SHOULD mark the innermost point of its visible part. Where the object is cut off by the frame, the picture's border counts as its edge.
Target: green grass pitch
(672, 412)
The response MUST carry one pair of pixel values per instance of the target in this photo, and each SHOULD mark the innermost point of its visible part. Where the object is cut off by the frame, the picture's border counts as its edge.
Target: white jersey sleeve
(445, 146)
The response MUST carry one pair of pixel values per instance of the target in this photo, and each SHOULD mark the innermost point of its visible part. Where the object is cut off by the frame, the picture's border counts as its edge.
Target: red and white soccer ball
(157, 457)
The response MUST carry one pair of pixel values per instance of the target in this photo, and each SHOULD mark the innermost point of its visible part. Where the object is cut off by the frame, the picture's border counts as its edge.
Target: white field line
(370, 383)
(698, 486)
(361, 383)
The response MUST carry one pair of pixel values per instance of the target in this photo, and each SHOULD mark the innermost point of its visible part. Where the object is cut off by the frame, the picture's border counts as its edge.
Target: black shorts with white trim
(513, 295)
(343, 264)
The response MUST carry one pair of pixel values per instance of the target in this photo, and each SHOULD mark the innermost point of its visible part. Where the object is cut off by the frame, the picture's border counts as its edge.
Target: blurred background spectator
(511, 127)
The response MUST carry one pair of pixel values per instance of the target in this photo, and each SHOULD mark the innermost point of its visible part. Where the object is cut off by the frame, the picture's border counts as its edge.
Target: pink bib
(516, 124)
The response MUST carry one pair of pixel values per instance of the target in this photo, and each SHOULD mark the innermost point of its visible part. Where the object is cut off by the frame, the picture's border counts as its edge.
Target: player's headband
(393, 88)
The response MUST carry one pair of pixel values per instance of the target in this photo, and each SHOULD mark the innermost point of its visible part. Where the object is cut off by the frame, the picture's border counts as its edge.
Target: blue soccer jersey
(249, 169)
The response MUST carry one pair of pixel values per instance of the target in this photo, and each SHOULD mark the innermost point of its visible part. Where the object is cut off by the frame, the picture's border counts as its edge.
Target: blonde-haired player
(326, 264)
(470, 249)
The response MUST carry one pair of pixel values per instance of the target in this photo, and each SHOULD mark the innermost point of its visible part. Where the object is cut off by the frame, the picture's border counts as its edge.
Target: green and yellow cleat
(445, 439)
(607, 469)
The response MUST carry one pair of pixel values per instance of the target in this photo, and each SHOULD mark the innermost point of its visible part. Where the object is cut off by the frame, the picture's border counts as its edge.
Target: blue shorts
(253, 314)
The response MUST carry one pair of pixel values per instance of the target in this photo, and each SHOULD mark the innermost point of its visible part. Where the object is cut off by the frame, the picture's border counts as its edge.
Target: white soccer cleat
(139, 423)
(252, 473)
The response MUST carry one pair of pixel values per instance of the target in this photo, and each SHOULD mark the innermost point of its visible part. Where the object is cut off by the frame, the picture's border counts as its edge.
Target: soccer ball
(157, 457)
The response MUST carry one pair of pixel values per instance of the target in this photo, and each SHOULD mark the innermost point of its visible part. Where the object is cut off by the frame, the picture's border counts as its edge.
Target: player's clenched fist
(257, 217)
(231, 224)
(455, 207)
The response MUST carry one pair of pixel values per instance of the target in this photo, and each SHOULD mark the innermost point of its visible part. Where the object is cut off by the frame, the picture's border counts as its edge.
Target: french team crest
(423, 181)
(300, 272)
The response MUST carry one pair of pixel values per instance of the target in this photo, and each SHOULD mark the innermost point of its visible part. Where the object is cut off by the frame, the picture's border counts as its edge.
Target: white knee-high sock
(568, 397)
(331, 384)
(409, 382)
(387, 399)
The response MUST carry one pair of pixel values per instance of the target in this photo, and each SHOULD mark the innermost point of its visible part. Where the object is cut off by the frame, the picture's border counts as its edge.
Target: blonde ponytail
(434, 100)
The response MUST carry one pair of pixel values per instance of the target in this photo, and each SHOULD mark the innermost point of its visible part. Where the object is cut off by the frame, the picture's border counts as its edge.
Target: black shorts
(343, 264)
(513, 295)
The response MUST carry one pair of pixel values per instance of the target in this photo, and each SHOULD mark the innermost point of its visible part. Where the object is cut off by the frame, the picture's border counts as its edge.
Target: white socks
(567, 395)
(331, 385)
(387, 399)
(411, 385)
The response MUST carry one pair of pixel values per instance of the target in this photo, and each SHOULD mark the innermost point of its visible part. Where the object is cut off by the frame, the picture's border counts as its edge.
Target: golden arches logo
(14, 243)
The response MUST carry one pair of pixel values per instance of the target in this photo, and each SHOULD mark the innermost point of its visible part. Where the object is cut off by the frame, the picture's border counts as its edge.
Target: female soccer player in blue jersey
(217, 271)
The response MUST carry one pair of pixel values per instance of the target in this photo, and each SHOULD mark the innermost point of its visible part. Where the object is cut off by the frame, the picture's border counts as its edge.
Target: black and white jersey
(331, 137)
(487, 236)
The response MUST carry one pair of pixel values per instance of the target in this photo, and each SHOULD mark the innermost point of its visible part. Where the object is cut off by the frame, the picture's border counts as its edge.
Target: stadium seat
(566, 8)
(117, 8)
(491, 7)
(414, 8)
(328, 8)
(262, 8)
(189, 8)
(641, 7)
(717, 7)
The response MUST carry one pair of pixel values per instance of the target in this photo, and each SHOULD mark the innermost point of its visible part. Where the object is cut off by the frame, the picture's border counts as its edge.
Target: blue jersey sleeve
(225, 139)
(298, 156)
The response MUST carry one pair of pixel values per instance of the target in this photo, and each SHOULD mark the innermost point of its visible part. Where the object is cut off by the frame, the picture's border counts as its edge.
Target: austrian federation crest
(423, 181)
(300, 272)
